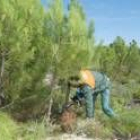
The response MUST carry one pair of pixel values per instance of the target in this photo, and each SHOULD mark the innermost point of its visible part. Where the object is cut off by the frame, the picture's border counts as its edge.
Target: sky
(112, 18)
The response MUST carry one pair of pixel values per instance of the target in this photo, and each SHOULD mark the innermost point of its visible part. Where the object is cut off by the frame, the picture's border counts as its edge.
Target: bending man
(89, 85)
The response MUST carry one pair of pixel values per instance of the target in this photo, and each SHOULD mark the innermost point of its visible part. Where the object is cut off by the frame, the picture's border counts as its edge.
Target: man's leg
(105, 103)
(88, 94)
(94, 95)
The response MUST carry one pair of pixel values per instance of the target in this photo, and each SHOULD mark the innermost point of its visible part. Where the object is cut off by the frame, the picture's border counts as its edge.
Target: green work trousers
(90, 98)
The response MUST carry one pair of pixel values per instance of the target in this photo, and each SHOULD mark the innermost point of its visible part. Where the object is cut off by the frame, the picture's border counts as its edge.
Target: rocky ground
(69, 137)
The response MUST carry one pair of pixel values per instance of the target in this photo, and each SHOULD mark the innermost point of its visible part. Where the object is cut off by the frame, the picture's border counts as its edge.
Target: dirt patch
(68, 120)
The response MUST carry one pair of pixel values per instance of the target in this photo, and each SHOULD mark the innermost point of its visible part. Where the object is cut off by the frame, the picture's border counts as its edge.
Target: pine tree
(23, 47)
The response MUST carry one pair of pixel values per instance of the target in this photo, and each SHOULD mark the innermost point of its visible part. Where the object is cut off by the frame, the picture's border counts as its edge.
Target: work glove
(78, 100)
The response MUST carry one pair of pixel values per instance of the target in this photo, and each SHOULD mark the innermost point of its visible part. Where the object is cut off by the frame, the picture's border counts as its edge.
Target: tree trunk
(1, 78)
(50, 109)
(2, 69)
(67, 99)
(49, 112)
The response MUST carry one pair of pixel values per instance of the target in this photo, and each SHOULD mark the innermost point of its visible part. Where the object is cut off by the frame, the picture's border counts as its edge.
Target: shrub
(8, 128)
(127, 125)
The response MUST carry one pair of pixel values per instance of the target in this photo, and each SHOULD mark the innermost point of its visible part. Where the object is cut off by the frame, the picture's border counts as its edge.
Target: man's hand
(78, 100)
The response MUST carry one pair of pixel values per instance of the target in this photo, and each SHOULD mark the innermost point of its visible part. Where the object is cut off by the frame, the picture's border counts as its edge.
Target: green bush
(127, 125)
(136, 94)
(8, 128)
(34, 130)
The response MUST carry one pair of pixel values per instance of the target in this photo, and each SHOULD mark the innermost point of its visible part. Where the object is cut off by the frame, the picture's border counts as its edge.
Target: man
(89, 85)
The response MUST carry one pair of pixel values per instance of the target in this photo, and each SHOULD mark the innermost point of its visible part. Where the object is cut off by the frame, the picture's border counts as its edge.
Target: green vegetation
(8, 128)
(35, 41)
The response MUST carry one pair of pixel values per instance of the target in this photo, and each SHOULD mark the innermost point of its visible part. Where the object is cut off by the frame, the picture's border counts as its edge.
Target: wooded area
(36, 41)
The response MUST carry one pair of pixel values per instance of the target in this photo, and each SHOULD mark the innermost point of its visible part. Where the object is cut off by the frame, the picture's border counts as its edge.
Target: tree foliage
(22, 46)
(35, 41)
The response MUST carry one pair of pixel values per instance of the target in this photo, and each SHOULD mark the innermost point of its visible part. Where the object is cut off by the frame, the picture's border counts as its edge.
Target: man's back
(101, 81)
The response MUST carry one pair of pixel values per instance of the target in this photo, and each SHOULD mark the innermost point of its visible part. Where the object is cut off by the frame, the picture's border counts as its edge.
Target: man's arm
(75, 83)
(88, 94)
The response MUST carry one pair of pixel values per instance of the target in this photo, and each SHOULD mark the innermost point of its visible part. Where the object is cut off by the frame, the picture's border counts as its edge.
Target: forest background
(35, 42)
